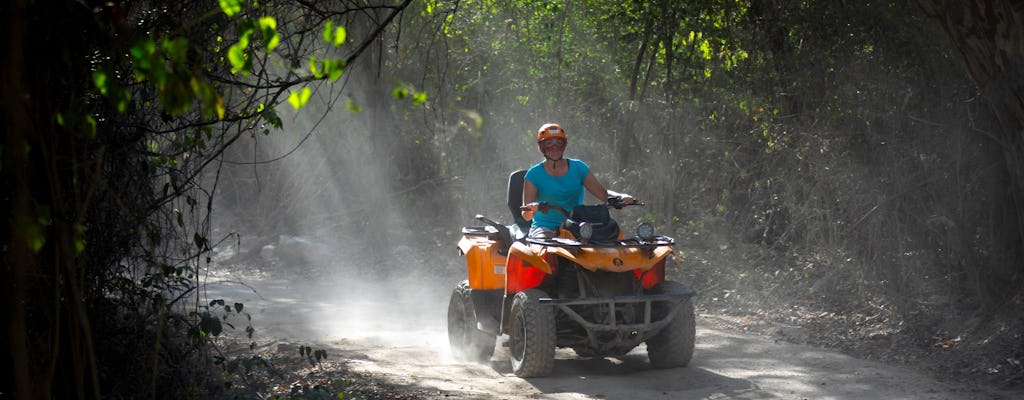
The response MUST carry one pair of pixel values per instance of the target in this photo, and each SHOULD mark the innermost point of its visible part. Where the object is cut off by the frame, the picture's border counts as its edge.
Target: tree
(114, 113)
(988, 38)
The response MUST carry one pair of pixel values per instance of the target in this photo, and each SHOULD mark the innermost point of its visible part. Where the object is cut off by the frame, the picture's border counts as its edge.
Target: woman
(558, 181)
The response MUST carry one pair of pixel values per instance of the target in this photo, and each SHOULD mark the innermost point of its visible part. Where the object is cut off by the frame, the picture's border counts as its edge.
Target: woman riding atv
(558, 181)
(576, 282)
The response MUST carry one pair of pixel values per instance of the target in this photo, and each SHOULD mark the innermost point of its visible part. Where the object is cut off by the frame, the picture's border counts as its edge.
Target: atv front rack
(627, 335)
(631, 242)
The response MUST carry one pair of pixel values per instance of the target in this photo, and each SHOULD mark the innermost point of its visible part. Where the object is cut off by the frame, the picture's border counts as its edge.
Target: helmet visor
(552, 143)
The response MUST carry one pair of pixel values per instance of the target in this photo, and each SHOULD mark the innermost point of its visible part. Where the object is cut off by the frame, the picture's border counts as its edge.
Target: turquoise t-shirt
(565, 191)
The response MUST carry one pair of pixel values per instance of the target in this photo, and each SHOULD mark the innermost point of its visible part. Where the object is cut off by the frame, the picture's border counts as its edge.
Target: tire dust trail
(398, 331)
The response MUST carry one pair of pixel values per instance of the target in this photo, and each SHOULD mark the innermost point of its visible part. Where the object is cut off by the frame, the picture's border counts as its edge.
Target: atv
(590, 289)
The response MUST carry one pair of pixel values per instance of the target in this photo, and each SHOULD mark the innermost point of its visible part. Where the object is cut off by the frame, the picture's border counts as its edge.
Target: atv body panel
(614, 258)
(485, 266)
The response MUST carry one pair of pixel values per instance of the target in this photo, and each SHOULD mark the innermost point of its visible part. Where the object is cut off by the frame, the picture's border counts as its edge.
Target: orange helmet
(550, 131)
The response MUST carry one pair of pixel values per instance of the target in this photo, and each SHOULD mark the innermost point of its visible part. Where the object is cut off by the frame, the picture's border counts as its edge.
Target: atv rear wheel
(467, 342)
(673, 346)
(531, 335)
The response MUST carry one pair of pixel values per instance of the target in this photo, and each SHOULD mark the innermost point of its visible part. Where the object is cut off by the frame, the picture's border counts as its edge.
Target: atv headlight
(586, 231)
(645, 231)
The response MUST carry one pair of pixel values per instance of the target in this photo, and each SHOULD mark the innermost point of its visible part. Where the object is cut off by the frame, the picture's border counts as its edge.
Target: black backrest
(605, 227)
(515, 198)
(594, 214)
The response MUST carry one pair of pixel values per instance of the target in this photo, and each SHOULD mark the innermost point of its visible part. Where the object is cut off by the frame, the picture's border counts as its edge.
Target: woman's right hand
(529, 209)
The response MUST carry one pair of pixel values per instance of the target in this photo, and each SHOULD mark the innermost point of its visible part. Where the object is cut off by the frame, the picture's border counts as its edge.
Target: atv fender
(532, 254)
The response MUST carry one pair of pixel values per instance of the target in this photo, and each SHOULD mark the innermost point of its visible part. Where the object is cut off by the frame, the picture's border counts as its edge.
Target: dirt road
(398, 331)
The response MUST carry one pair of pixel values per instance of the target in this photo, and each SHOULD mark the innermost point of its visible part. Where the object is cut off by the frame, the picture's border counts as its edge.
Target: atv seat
(515, 200)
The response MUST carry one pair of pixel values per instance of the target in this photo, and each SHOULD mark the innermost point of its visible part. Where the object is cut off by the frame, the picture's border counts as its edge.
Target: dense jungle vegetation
(863, 157)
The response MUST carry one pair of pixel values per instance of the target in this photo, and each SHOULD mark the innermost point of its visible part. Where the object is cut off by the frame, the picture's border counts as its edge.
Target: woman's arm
(529, 200)
(595, 187)
(598, 190)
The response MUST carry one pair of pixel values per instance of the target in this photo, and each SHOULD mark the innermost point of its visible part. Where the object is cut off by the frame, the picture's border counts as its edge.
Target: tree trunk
(987, 36)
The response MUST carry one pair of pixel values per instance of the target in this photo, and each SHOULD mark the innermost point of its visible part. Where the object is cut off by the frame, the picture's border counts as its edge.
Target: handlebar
(545, 207)
(618, 203)
(614, 202)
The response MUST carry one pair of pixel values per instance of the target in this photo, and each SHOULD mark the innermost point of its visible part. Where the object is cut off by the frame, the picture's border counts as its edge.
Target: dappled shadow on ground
(772, 296)
(631, 376)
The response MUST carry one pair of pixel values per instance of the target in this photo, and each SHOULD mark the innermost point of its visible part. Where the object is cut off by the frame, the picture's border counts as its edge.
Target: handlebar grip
(619, 203)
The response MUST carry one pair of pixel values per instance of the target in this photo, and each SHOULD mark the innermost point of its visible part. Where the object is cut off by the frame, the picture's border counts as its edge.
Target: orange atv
(590, 289)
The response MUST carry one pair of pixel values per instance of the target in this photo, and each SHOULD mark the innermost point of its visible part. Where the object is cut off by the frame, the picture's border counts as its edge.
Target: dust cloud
(324, 237)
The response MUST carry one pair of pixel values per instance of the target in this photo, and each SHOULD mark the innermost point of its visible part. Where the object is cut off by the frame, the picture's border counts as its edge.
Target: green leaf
(419, 98)
(144, 61)
(176, 49)
(340, 35)
(143, 48)
(176, 95)
(328, 32)
(210, 324)
(272, 118)
(121, 100)
(200, 241)
(399, 93)
(299, 99)
(212, 103)
(334, 35)
(90, 127)
(99, 78)
(353, 107)
(34, 237)
(237, 56)
(432, 6)
(231, 7)
(110, 89)
(334, 69)
(240, 60)
(313, 69)
(79, 239)
(268, 30)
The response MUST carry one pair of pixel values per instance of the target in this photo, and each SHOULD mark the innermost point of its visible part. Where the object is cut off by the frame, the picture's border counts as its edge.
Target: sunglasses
(552, 143)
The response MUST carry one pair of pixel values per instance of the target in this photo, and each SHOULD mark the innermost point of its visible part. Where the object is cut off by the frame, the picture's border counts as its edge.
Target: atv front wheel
(673, 345)
(467, 342)
(532, 335)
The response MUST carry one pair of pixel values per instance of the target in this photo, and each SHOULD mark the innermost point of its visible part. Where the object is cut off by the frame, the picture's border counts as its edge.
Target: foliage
(120, 113)
(843, 133)
(837, 143)
(846, 131)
